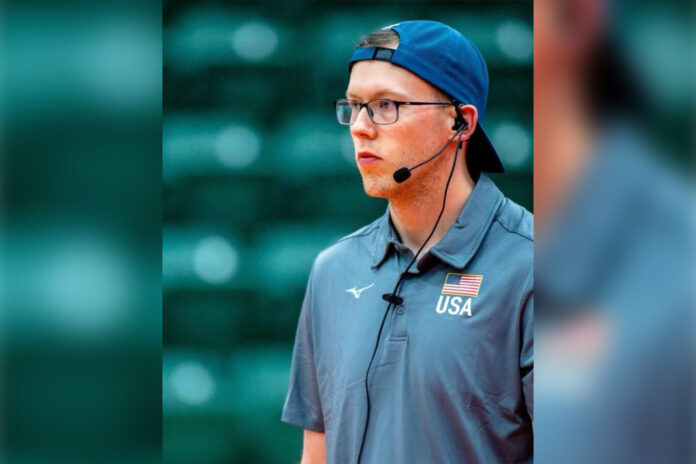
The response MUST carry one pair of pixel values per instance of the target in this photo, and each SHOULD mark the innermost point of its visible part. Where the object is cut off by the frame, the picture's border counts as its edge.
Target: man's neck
(413, 220)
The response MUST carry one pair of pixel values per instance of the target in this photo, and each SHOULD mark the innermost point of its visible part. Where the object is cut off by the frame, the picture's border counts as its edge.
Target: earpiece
(459, 121)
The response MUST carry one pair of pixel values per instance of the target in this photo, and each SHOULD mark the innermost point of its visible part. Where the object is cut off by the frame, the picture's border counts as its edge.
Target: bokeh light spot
(516, 40)
(192, 383)
(215, 260)
(237, 146)
(255, 41)
(513, 143)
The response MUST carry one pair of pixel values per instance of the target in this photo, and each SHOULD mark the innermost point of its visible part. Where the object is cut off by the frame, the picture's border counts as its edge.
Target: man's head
(425, 62)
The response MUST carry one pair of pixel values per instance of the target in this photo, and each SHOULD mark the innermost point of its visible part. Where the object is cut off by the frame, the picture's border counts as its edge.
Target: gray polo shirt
(452, 379)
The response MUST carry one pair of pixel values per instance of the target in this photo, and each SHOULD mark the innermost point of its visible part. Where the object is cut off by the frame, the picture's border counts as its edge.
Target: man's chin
(377, 189)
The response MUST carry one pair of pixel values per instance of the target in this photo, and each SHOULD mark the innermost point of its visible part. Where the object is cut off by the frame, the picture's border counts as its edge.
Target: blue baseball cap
(446, 59)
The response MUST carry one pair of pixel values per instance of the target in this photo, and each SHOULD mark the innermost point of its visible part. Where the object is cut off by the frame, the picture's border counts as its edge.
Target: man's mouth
(367, 157)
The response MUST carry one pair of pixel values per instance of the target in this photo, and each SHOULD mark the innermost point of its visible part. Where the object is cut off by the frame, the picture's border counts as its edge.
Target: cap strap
(371, 53)
(384, 54)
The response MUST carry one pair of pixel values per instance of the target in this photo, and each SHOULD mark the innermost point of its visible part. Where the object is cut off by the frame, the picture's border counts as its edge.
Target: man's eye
(385, 104)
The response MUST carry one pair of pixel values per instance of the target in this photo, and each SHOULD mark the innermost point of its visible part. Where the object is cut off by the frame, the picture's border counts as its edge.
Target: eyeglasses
(381, 110)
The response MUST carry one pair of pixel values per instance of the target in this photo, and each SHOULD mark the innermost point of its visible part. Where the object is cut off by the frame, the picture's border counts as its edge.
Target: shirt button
(400, 309)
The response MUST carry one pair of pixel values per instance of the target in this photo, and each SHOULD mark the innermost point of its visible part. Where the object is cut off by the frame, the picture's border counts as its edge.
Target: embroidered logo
(356, 292)
(462, 284)
(457, 286)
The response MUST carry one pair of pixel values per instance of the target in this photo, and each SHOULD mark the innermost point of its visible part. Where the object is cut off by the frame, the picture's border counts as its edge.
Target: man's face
(419, 132)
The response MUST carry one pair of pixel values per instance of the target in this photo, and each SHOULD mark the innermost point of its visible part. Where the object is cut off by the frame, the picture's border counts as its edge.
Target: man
(427, 361)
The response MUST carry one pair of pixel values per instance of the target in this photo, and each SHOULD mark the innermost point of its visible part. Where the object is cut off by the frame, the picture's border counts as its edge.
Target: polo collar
(462, 240)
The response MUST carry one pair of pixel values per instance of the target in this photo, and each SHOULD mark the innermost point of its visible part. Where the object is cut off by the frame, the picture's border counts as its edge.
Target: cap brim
(481, 156)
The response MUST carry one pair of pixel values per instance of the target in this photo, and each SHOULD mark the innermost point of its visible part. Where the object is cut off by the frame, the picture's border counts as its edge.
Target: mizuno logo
(356, 292)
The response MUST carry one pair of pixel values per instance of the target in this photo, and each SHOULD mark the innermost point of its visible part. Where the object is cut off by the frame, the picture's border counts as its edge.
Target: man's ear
(466, 117)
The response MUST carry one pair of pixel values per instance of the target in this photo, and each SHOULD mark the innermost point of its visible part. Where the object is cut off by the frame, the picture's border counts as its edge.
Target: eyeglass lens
(380, 111)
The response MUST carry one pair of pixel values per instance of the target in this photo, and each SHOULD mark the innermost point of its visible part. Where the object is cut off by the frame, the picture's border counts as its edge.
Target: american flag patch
(462, 284)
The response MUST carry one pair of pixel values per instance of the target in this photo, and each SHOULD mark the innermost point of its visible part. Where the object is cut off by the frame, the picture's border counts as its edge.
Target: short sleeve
(302, 403)
(527, 350)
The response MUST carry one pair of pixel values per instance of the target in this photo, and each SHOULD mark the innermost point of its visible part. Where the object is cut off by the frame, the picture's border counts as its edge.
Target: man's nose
(363, 125)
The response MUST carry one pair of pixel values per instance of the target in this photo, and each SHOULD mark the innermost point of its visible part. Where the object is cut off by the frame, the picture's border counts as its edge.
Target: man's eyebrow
(379, 93)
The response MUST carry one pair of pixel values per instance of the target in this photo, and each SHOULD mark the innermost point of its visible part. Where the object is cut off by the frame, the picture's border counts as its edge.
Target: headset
(401, 175)
(460, 124)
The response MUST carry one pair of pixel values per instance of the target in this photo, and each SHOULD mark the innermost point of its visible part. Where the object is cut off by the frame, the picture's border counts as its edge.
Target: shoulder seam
(531, 239)
(354, 235)
(370, 228)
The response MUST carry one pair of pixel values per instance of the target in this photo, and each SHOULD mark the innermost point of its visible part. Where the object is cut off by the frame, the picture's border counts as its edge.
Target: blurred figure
(614, 267)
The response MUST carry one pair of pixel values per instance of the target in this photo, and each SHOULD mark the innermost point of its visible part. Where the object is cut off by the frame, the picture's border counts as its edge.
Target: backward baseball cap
(449, 61)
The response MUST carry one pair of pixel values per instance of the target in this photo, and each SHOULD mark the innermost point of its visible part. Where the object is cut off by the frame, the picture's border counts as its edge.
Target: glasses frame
(398, 103)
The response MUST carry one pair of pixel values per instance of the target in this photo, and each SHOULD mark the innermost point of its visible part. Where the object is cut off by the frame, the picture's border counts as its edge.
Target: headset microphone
(402, 174)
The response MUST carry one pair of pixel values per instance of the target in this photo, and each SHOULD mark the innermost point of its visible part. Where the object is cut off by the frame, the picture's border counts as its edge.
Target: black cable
(396, 289)
(436, 154)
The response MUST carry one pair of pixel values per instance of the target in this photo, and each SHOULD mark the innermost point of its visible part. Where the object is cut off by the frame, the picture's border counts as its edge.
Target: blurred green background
(258, 177)
(80, 235)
